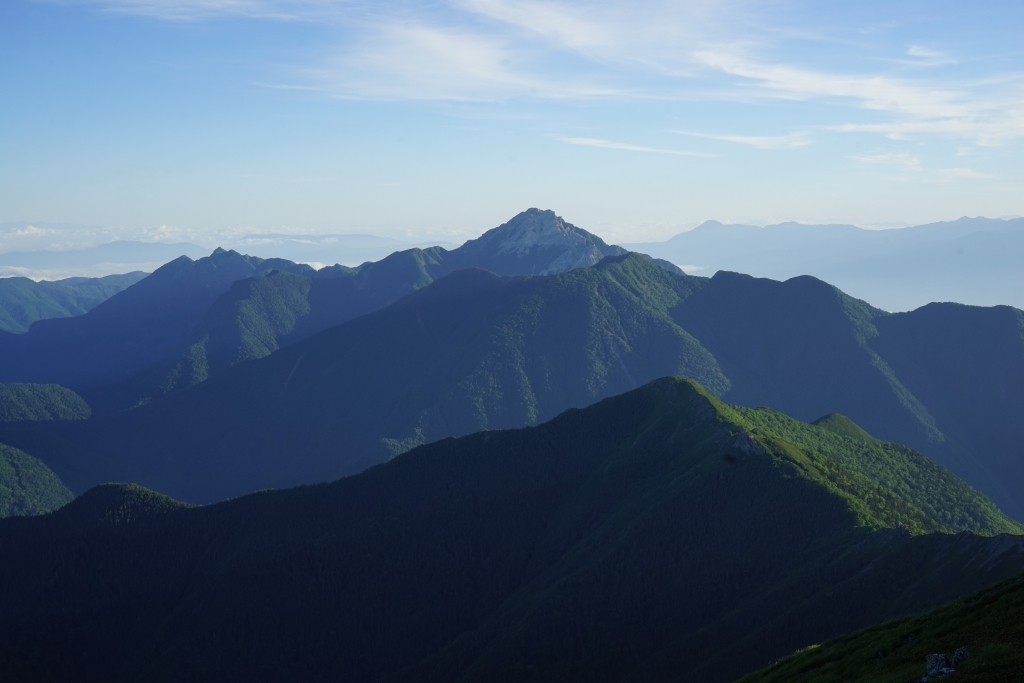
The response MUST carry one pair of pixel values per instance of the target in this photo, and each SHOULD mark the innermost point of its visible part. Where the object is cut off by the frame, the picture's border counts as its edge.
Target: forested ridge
(655, 535)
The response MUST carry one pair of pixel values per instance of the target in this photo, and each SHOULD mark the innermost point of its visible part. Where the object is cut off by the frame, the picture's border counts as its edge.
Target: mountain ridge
(474, 351)
(23, 301)
(554, 549)
(969, 260)
(532, 242)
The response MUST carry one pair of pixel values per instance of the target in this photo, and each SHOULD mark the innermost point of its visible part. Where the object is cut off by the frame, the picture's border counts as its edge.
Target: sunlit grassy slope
(990, 624)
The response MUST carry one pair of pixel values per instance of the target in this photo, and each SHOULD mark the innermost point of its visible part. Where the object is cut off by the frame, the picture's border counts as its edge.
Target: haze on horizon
(188, 120)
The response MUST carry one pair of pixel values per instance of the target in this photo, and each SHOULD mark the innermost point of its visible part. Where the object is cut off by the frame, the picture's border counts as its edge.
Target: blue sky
(195, 119)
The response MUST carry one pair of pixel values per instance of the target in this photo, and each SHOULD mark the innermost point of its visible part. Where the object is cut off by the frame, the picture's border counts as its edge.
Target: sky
(193, 120)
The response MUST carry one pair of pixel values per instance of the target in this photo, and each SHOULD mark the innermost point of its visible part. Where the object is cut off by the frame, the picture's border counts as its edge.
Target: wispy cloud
(969, 173)
(922, 108)
(909, 162)
(767, 142)
(608, 144)
(900, 159)
(416, 61)
(882, 93)
(197, 10)
(700, 50)
(928, 57)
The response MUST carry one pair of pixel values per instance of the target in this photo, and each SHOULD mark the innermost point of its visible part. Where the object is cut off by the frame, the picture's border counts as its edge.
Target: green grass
(989, 623)
(903, 486)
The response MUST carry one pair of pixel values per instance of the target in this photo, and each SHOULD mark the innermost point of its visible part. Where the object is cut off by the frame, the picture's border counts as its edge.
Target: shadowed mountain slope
(27, 486)
(945, 379)
(22, 301)
(258, 316)
(474, 351)
(132, 329)
(988, 624)
(657, 535)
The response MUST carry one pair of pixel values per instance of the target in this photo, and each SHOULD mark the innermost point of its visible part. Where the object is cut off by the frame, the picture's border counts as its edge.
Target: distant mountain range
(524, 487)
(477, 351)
(658, 535)
(970, 260)
(131, 330)
(23, 301)
(306, 375)
(195, 317)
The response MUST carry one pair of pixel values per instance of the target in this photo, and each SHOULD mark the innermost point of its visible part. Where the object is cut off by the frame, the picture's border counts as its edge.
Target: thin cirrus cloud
(921, 108)
(928, 57)
(499, 50)
(966, 173)
(910, 162)
(899, 159)
(765, 142)
(622, 146)
(417, 61)
(197, 10)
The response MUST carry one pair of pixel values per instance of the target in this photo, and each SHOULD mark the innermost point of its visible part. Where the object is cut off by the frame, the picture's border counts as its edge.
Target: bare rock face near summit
(535, 242)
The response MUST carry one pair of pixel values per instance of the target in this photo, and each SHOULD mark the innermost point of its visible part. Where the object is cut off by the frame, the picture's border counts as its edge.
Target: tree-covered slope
(259, 315)
(987, 624)
(472, 351)
(162, 333)
(132, 329)
(966, 364)
(947, 380)
(27, 486)
(656, 535)
(22, 301)
(40, 403)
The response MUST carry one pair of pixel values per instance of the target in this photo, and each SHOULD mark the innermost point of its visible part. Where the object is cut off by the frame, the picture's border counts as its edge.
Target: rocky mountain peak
(534, 228)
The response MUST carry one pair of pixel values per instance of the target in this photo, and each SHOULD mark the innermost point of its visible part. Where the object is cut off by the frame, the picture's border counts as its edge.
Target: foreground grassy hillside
(989, 624)
(652, 536)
